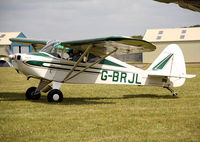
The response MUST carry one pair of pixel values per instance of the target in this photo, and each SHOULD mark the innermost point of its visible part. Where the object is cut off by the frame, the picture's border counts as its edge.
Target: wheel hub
(56, 97)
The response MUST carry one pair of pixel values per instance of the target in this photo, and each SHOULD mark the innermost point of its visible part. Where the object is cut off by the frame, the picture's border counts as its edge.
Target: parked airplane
(89, 62)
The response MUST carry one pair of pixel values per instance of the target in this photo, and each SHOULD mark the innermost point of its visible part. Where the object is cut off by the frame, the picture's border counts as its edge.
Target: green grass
(100, 113)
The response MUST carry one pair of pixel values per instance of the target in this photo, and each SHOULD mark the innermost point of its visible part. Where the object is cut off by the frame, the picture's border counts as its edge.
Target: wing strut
(99, 60)
(77, 63)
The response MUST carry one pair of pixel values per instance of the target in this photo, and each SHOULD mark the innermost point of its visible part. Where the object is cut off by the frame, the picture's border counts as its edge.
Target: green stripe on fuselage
(104, 62)
(107, 62)
(41, 64)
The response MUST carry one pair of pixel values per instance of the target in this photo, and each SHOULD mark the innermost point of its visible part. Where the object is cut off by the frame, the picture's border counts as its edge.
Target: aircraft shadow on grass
(12, 96)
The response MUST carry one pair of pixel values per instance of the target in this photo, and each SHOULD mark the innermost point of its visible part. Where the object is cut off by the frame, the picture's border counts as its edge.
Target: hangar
(14, 47)
(134, 57)
(187, 38)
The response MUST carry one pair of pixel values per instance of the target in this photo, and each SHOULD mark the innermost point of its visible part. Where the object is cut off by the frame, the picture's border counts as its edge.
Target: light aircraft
(89, 62)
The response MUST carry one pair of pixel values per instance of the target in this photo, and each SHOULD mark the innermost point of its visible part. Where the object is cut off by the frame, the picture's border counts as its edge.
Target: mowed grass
(100, 113)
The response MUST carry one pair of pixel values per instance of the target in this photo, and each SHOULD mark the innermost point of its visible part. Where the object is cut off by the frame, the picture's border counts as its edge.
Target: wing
(103, 46)
(188, 4)
(100, 46)
(35, 43)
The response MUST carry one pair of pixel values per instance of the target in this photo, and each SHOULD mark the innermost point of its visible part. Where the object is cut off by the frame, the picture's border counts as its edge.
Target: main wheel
(55, 95)
(30, 94)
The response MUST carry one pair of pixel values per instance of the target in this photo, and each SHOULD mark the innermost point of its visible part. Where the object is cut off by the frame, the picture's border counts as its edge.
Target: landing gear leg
(33, 93)
(55, 95)
(172, 91)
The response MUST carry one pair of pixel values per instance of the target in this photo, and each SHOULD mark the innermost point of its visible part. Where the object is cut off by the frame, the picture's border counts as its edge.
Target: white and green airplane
(89, 62)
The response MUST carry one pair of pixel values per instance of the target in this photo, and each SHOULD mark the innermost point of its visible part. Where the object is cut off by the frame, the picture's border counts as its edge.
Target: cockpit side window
(75, 54)
(54, 48)
(92, 58)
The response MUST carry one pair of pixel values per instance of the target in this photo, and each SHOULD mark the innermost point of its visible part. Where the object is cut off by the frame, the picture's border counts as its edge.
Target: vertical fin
(170, 63)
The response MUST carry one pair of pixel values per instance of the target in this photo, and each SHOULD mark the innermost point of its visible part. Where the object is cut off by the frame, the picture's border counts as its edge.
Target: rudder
(170, 63)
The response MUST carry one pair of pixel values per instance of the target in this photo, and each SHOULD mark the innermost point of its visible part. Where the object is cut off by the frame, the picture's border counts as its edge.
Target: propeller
(8, 51)
(34, 47)
(10, 55)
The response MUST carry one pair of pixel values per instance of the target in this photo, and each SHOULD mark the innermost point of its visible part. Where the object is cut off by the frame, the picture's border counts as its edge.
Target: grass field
(100, 113)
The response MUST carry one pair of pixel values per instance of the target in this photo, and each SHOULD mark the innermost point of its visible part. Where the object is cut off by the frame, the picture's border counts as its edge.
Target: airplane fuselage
(110, 71)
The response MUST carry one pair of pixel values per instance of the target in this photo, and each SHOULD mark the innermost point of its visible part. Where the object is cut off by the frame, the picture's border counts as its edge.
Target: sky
(82, 19)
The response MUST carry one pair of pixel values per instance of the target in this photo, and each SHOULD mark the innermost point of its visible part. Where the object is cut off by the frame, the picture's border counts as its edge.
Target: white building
(13, 47)
(187, 38)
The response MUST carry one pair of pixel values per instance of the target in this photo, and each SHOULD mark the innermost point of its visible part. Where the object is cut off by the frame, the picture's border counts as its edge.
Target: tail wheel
(55, 95)
(30, 94)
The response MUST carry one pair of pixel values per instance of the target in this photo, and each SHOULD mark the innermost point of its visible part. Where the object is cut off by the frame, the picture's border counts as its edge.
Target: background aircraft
(188, 4)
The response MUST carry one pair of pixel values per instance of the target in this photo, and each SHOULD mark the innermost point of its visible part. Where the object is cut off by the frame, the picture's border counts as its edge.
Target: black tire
(55, 95)
(30, 94)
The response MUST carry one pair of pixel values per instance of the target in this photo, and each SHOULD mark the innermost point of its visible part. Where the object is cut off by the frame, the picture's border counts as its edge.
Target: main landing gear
(54, 95)
(31, 94)
(172, 91)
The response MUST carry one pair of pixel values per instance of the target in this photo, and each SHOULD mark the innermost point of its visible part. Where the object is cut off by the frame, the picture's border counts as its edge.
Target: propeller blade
(8, 51)
(34, 47)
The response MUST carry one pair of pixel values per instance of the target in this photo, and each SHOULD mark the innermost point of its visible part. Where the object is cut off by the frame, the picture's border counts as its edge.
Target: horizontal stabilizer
(181, 76)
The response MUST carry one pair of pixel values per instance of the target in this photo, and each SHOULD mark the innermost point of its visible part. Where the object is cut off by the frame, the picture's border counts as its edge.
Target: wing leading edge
(100, 46)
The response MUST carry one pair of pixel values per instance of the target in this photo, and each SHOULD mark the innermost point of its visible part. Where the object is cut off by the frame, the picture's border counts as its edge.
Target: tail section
(171, 65)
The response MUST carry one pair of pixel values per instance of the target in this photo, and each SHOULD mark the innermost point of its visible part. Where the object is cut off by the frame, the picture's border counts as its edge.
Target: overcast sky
(81, 19)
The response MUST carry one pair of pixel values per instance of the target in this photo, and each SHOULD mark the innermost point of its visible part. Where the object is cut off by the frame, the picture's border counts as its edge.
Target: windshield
(51, 47)
(54, 48)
